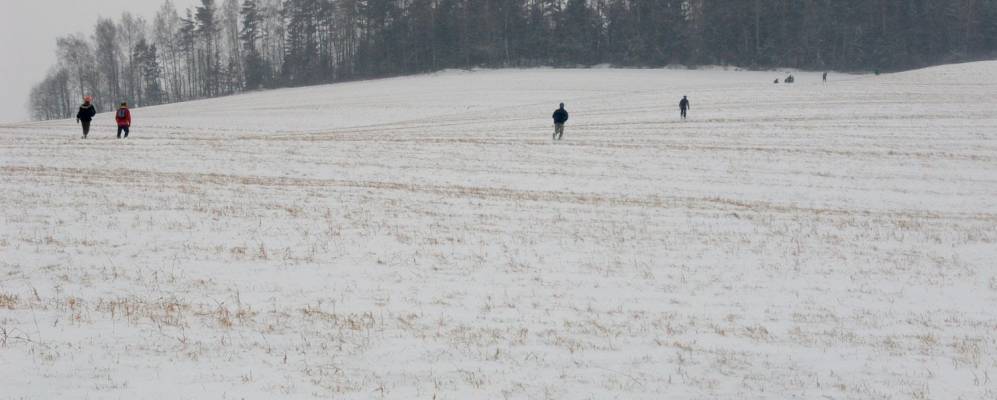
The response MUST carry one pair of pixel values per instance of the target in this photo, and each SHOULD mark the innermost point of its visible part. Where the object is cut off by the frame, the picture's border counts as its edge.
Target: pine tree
(166, 27)
(255, 67)
(108, 55)
(187, 37)
(148, 57)
(207, 32)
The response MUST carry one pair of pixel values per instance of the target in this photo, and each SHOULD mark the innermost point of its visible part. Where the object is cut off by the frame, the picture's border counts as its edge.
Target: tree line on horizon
(232, 46)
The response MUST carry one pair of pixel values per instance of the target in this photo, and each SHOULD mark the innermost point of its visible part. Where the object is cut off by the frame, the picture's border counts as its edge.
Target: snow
(422, 237)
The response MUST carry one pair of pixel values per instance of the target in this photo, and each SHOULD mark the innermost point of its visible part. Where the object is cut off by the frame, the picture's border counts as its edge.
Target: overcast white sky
(28, 29)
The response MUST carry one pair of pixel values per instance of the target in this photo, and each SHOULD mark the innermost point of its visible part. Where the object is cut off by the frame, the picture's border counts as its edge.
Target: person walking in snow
(124, 119)
(86, 114)
(684, 106)
(560, 117)
(825, 77)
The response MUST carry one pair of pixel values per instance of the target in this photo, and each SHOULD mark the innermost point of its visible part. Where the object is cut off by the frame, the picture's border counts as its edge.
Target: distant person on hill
(825, 77)
(124, 119)
(86, 114)
(684, 107)
(560, 117)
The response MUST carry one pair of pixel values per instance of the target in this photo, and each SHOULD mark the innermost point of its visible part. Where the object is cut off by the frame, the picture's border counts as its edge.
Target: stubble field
(423, 238)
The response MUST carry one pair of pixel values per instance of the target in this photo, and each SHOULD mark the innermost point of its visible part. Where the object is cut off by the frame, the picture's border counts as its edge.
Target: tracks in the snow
(148, 178)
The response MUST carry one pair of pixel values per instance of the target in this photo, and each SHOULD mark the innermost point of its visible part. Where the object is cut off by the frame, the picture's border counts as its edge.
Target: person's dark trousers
(122, 129)
(683, 113)
(558, 131)
(86, 127)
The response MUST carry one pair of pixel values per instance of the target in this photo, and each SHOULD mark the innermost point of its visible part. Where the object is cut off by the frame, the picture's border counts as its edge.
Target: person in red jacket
(124, 119)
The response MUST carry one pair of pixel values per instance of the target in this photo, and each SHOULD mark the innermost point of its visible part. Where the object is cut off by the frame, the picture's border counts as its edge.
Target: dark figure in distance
(684, 106)
(86, 114)
(124, 119)
(560, 117)
(825, 77)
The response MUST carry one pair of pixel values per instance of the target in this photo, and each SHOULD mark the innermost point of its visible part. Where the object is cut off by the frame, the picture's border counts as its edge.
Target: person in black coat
(85, 115)
(560, 117)
(684, 106)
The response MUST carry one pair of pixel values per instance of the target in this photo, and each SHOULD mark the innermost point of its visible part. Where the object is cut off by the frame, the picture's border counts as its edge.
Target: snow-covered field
(423, 238)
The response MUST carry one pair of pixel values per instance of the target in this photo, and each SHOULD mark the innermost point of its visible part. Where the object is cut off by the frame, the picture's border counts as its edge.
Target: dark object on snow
(790, 79)
(684, 106)
(776, 81)
(560, 117)
(825, 77)
(85, 115)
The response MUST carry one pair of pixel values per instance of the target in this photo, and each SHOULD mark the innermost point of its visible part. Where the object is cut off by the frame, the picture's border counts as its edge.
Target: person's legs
(559, 131)
(86, 128)
(126, 131)
(120, 128)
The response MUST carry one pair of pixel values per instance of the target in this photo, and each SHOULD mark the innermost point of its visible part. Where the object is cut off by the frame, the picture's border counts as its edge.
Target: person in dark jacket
(86, 114)
(684, 106)
(124, 119)
(560, 117)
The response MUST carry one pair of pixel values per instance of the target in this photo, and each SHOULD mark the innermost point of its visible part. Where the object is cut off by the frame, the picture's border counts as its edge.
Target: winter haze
(365, 199)
(29, 30)
(422, 237)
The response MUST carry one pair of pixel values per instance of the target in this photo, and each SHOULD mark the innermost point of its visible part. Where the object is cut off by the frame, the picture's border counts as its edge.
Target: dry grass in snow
(422, 238)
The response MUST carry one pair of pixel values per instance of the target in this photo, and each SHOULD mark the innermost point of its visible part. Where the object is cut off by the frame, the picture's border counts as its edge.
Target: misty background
(29, 30)
(182, 51)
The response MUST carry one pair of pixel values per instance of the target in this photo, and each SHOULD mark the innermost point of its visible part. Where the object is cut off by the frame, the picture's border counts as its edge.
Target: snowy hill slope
(422, 237)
